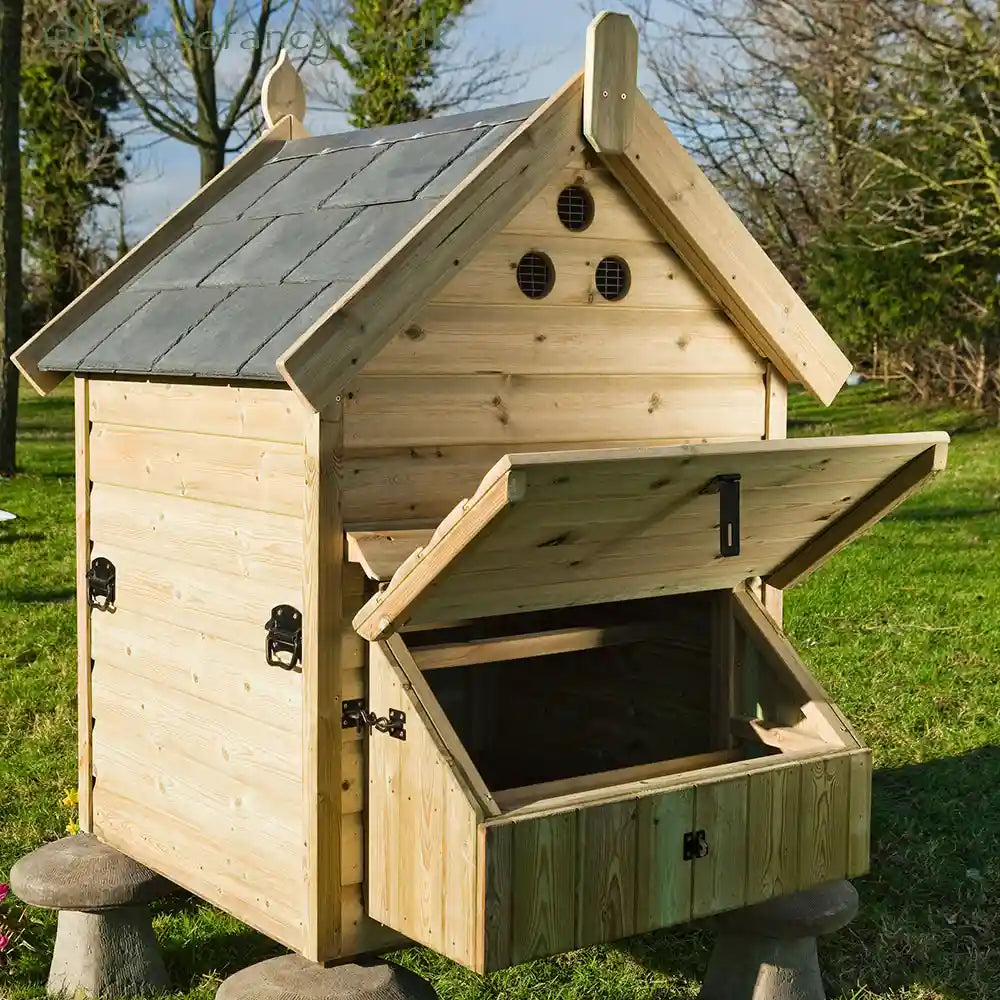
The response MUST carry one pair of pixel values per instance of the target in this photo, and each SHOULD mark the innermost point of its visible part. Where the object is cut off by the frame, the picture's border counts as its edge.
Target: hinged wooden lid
(559, 529)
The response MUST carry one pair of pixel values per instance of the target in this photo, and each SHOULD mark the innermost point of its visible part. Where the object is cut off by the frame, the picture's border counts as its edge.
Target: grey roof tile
(235, 330)
(236, 202)
(261, 266)
(371, 234)
(409, 130)
(460, 168)
(148, 334)
(200, 252)
(263, 365)
(280, 248)
(313, 182)
(68, 355)
(403, 169)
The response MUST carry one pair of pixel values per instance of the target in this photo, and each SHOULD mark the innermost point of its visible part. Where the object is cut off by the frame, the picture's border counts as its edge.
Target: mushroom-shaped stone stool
(768, 951)
(292, 977)
(104, 940)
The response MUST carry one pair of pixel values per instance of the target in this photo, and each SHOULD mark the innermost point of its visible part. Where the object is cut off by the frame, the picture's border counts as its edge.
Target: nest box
(433, 512)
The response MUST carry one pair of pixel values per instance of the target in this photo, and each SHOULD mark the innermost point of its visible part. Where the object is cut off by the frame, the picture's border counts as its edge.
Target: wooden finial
(609, 87)
(282, 92)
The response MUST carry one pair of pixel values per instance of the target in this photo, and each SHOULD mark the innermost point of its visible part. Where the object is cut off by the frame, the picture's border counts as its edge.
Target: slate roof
(271, 256)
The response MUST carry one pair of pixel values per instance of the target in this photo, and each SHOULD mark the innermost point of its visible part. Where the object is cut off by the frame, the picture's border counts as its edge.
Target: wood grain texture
(384, 410)
(496, 897)
(178, 849)
(237, 472)
(199, 408)
(664, 881)
(422, 837)
(720, 878)
(773, 823)
(825, 820)
(27, 358)
(239, 541)
(511, 338)
(871, 508)
(609, 90)
(544, 887)
(694, 218)
(607, 869)
(860, 821)
(323, 543)
(385, 300)
(608, 518)
(84, 663)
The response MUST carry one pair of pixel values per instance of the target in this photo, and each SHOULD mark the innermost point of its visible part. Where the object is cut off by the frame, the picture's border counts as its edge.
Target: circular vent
(535, 275)
(575, 207)
(613, 278)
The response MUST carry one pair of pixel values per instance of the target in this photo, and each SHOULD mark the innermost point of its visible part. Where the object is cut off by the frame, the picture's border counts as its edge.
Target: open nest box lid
(560, 529)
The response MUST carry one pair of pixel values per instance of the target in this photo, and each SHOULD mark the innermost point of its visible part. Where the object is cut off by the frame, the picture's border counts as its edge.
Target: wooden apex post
(282, 92)
(610, 87)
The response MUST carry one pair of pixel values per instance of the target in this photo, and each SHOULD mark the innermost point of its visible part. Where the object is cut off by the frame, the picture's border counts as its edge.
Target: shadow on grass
(192, 950)
(928, 919)
(916, 515)
(56, 595)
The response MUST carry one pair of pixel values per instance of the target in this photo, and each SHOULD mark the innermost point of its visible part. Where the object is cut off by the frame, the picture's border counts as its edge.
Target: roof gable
(259, 264)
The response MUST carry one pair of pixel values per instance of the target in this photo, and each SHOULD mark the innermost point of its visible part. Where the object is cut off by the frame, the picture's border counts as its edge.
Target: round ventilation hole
(613, 278)
(535, 275)
(576, 208)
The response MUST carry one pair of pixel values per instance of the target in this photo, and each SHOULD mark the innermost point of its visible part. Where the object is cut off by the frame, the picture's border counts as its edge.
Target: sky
(546, 37)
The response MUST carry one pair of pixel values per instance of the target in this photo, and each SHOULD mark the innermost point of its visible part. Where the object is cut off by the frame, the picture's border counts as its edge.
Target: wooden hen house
(433, 514)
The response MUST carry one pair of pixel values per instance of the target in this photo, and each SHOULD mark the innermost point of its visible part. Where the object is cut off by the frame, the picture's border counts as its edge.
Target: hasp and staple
(500, 460)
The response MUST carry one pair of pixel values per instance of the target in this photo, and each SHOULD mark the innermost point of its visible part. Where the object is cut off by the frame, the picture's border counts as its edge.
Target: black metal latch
(101, 584)
(728, 488)
(695, 845)
(355, 715)
(284, 636)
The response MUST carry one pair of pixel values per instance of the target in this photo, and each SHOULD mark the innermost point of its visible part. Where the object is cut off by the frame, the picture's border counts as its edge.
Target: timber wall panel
(483, 371)
(567, 878)
(198, 500)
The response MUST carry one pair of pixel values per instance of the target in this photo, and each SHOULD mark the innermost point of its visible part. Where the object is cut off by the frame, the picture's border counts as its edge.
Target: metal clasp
(355, 715)
(101, 584)
(284, 635)
(728, 488)
(695, 845)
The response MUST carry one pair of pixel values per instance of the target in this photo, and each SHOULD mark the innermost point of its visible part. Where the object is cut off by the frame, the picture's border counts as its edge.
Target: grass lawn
(903, 628)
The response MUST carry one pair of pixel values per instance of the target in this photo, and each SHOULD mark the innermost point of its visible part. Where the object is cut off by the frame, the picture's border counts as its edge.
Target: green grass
(903, 628)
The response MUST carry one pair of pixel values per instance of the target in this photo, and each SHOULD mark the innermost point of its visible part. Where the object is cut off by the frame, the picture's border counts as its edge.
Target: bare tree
(773, 97)
(197, 79)
(11, 21)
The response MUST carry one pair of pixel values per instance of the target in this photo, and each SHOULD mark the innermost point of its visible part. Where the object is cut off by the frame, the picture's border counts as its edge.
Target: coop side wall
(484, 370)
(196, 494)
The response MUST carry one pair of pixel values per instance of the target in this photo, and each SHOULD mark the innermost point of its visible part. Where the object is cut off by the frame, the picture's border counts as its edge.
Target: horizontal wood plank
(219, 605)
(658, 279)
(211, 670)
(239, 541)
(258, 475)
(382, 411)
(200, 408)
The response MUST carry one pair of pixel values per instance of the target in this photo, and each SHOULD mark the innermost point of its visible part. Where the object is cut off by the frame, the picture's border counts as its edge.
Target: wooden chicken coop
(433, 513)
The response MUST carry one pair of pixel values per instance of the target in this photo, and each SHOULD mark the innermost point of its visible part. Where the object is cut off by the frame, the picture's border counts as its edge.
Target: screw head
(606, 93)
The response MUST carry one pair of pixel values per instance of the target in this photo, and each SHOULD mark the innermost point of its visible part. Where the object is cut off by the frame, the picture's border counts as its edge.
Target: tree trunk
(11, 19)
(213, 160)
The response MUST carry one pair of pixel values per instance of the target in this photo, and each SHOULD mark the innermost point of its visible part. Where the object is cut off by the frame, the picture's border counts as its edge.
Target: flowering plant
(71, 800)
(10, 927)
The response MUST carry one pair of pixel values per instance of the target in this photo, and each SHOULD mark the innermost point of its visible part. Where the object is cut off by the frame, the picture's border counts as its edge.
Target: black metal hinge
(728, 488)
(355, 715)
(284, 637)
(101, 584)
(695, 845)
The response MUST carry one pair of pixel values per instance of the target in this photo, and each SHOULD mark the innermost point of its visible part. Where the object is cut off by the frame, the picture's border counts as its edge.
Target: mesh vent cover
(576, 208)
(535, 275)
(613, 278)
